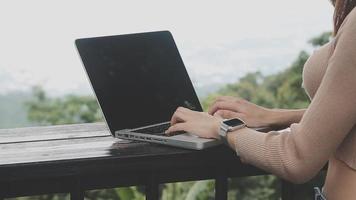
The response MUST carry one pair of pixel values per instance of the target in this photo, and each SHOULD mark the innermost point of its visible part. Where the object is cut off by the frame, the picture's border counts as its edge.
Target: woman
(324, 132)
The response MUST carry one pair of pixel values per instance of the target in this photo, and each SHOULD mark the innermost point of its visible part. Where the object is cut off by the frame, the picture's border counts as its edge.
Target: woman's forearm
(283, 118)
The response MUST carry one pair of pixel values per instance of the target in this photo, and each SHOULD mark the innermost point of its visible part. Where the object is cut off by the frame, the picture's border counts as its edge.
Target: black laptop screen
(139, 79)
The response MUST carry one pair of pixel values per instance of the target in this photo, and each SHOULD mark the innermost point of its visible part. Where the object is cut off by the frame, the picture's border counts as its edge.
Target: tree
(66, 110)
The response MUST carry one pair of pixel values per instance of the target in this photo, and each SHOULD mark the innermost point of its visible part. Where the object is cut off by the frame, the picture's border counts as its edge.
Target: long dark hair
(342, 9)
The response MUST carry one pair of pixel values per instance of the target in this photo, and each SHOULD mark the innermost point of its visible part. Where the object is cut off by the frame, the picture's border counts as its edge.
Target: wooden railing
(76, 158)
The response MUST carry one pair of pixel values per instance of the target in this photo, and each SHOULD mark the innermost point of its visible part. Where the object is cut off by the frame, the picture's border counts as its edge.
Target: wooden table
(75, 158)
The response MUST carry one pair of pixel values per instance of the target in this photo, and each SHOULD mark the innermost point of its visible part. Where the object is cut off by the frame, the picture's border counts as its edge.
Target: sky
(219, 41)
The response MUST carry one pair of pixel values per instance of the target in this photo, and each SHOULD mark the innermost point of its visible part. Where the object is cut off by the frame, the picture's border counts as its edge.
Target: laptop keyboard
(158, 130)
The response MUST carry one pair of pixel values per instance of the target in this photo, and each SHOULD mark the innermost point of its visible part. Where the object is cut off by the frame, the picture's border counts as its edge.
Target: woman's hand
(199, 123)
(233, 107)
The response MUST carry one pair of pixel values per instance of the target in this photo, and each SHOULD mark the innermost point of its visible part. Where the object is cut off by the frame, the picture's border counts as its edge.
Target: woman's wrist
(274, 118)
(231, 139)
(281, 118)
(216, 128)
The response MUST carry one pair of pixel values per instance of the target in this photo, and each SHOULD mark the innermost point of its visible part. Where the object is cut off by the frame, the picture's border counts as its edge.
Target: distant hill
(13, 111)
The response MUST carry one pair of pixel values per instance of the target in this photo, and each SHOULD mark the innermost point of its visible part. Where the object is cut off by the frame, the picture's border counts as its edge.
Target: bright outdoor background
(254, 49)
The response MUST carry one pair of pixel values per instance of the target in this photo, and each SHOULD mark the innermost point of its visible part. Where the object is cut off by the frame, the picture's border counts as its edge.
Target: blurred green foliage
(193, 190)
(321, 39)
(64, 110)
(281, 90)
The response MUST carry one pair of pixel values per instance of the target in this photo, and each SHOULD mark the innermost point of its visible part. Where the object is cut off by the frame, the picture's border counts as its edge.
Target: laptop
(139, 81)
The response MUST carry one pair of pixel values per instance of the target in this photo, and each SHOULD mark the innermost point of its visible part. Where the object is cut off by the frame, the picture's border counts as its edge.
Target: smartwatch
(229, 125)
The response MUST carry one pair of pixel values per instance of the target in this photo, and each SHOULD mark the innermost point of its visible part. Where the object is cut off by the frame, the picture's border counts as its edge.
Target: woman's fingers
(176, 127)
(224, 105)
(183, 110)
(227, 114)
(229, 98)
(227, 103)
(180, 115)
(200, 123)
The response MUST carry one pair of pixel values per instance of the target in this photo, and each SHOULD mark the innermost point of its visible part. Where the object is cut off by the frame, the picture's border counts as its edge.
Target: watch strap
(223, 134)
(225, 129)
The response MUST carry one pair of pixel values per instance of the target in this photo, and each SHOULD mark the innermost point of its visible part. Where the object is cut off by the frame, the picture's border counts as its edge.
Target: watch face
(233, 122)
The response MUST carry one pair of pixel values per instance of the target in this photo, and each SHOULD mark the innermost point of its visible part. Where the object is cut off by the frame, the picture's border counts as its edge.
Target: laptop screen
(138, 79)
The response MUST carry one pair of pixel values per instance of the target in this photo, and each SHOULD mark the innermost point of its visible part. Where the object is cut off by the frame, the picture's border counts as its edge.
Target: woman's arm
(283, 118)
(253, 115)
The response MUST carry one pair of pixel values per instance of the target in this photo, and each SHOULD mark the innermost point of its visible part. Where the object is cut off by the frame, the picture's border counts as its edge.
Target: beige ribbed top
(327, 127)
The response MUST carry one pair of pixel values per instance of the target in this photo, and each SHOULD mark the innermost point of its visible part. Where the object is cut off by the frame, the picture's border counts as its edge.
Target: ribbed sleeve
(297, 155)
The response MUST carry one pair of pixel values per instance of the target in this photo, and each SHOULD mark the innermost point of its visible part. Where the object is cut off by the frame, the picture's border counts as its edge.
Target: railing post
(2, 191)
(77, 192)
(77, 195)
(221, 187)
(287, 190)
(152, 188)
